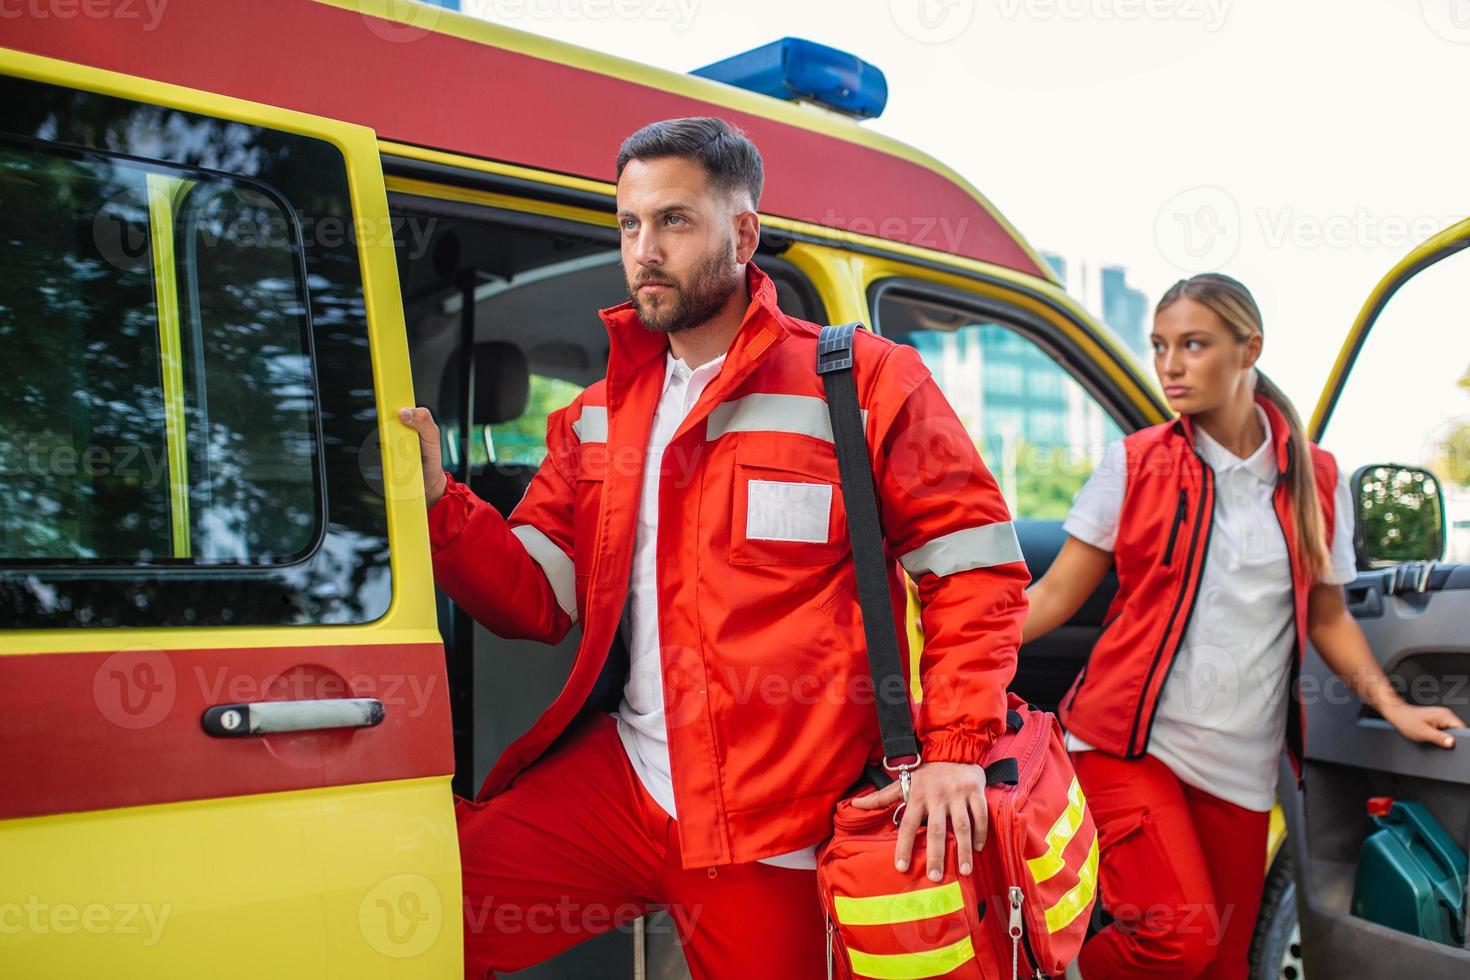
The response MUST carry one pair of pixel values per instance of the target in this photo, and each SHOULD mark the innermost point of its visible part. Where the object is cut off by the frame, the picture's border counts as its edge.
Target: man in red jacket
(695, 492)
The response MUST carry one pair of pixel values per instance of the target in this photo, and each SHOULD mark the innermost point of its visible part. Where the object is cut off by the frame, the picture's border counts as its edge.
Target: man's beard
(710, 287)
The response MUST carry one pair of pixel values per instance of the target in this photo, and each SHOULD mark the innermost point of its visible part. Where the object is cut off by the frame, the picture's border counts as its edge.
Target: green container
(1411, 875)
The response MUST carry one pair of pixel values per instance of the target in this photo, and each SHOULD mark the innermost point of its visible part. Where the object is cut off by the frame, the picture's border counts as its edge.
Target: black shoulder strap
(895, 723)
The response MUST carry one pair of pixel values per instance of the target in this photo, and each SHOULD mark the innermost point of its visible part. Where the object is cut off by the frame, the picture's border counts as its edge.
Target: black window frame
(1024, 324)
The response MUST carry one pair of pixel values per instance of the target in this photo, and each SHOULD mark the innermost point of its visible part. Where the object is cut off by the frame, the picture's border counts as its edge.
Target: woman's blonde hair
(1228, 299)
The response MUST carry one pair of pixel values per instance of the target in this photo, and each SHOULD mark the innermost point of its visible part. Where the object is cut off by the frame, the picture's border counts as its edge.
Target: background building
(1105, 292)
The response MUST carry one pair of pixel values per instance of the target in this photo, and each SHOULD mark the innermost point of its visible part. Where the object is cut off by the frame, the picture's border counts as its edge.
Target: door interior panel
(1047, 666)
(1421, 641)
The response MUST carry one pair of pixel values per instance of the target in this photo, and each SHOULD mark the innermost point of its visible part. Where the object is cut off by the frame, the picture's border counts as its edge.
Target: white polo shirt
(641, 723)
(1221, 720)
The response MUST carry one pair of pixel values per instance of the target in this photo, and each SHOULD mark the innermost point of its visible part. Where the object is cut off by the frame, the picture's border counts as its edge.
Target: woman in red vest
(1232, 537)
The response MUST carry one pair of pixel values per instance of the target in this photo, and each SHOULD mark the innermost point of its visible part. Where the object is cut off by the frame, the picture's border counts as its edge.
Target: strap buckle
(904, 766)
(834, 348)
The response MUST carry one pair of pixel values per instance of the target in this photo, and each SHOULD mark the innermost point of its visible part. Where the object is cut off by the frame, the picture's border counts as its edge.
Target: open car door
(1396, 414)
(223, 697)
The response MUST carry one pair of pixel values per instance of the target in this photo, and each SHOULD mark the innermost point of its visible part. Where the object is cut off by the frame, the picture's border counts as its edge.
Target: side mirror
(1400, 515)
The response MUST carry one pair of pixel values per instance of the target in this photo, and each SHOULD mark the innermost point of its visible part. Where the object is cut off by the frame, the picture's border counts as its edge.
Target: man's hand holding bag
(1027, 899)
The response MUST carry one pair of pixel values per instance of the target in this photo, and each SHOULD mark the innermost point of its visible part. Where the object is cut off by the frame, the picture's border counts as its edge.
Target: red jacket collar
(1280, 433)
(634, 345)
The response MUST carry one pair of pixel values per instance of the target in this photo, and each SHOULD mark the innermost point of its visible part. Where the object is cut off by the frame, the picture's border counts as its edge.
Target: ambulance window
(157, 383)
(1039, 430)
(188, 415)
(523, 439)
(81, 471)
(558, 367)
(248, 384)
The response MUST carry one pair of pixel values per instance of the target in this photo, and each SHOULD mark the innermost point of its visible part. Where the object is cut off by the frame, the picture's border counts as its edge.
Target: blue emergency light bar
(795, 69)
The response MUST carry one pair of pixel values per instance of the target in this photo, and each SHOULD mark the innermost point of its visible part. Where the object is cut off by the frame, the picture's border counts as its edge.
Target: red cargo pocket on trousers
(1136, 876)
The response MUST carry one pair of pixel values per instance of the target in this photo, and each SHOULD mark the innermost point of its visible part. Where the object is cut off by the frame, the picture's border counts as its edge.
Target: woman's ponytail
(1311, 527)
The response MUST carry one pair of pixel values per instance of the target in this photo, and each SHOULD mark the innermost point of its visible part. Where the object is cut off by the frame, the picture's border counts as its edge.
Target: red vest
(1163, 543)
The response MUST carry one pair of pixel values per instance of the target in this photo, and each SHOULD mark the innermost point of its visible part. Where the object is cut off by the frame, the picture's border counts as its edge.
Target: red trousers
(576, 847)
(1181, 873)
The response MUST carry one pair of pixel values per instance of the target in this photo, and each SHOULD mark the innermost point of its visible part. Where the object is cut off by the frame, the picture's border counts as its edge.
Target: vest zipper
(1206, 516)
(1179, 514)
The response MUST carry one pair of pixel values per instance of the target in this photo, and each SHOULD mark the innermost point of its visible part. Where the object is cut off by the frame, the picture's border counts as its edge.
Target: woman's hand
(1340, 640)
(1423, 724)
(941, 794)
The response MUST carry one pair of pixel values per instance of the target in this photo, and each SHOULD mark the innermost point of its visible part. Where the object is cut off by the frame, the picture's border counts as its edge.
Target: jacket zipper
(1179, 513)
(1208, 476)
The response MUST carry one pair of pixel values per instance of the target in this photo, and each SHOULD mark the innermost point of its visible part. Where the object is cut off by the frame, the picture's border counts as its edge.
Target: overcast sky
(1300, 146)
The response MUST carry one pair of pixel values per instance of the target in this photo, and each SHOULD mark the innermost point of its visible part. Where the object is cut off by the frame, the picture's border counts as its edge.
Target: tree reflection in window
(128, 295)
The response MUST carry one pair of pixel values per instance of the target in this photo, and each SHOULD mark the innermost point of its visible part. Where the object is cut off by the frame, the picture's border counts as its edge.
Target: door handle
(266, 717)
(1364, 601)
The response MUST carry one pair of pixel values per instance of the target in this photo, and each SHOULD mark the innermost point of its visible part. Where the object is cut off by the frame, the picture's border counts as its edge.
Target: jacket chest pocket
(787, 506)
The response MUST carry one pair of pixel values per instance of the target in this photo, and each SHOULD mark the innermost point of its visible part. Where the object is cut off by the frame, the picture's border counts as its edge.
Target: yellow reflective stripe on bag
(1060, 835)
(1070, 905)
(912, 966)
(882, 910)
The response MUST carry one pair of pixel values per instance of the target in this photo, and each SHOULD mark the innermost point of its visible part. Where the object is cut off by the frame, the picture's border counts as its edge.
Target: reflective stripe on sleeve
(558, 568)
(960, 551)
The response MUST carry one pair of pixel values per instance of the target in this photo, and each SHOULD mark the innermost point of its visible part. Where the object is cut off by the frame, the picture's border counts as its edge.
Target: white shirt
(1221, 719)
(641, 724)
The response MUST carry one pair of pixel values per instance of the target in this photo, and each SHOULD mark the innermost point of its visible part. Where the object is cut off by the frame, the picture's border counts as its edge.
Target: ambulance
(236, 238)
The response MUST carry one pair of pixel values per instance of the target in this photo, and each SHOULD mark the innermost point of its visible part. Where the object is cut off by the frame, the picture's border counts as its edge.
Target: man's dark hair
(732, 161)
